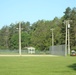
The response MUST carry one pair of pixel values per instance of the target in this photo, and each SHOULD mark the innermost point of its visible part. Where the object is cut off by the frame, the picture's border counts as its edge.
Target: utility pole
(52, 38)
(67, 37)
(6, 37)
(20, 38)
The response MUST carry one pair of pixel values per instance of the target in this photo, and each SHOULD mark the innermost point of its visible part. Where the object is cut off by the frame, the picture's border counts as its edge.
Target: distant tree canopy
(39, 34)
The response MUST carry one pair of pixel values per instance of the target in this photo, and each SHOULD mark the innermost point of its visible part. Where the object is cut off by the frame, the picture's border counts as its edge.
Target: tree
(14, 42)
(14, 35)
(70, 14)
(73, 27)
(25, 41)
(67, 13)
(4, 37)
(40, 34)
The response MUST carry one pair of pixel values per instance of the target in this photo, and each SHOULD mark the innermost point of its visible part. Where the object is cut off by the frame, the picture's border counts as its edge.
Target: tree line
(39, 34)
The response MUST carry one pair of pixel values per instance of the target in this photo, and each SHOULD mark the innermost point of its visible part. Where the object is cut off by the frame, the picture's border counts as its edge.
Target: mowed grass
(37, 65)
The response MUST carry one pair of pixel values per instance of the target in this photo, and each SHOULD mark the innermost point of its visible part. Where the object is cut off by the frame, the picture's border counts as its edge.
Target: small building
(31, 50)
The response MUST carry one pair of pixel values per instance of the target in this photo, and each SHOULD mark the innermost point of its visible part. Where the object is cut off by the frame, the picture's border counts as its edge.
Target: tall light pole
(67, 32)
(68, 39)
(20, 38)
(52, 38)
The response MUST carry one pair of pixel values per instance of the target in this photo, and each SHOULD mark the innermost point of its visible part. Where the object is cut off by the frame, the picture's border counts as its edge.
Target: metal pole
(67, 25)
(68, 39)
(52, 38)
(20, 38)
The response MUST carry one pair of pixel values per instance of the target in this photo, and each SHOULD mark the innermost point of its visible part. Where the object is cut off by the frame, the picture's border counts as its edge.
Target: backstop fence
(58, 50)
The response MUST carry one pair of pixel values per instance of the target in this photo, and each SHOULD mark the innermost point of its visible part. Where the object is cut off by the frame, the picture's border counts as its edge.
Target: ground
(37, 65)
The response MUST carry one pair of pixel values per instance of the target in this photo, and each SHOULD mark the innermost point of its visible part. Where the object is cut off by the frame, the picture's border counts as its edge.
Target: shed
(31, 50)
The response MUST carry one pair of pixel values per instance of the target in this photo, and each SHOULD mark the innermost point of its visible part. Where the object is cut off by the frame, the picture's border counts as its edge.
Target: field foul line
(29, 55)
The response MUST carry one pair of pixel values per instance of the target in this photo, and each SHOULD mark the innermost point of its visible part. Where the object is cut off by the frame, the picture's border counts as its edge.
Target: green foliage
(4, 35)
(25, 41)
(70, 14)
(14, 42)
(39, 34)
(67, 13)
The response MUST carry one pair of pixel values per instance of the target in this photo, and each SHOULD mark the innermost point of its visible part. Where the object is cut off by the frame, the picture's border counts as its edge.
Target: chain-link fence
(55, 50)
(58, 50)
(23, 52)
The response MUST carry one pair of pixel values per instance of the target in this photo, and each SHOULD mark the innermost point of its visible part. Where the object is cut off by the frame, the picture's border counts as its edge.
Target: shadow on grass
(73, 66)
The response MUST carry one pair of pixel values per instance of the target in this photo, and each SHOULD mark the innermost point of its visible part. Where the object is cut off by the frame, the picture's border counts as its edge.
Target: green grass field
(37, 65)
